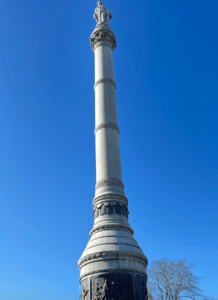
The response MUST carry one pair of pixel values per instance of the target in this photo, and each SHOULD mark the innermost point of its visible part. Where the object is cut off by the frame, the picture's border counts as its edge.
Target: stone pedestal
(115, 286)
(113, 266)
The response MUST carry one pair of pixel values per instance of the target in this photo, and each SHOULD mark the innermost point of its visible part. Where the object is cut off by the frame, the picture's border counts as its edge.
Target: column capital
(103, 35)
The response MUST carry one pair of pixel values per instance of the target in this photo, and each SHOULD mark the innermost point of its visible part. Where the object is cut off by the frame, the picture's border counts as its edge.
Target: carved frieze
(107, 125)
(110, 208)
(109, 181)
(112, 286)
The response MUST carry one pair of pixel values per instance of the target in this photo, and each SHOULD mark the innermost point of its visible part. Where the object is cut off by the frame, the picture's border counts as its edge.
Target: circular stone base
(117, 285)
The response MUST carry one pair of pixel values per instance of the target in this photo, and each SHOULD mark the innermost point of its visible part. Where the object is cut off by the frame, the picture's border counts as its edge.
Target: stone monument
(112, 266)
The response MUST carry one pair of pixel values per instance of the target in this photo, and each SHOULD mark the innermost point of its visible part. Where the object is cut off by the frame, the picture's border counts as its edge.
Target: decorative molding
(105, 80)
(109, 181)
(112, 255)
(105, 36)
(111, 227)
(110, 208)
(107, 125)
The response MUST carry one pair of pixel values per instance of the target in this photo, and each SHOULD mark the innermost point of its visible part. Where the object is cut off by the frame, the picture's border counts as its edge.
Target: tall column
(106, 123)
(112, 266)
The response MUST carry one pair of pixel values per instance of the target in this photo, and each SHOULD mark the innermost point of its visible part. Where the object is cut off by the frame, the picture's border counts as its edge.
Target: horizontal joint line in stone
(102, 80)
(110, 243)
(111, 219)
(111, 236)
(107, 125)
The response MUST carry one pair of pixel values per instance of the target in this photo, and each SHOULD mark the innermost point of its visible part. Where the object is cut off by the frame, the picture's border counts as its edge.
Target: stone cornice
(111, 227)
(107, 125)
(105, 80)
(109, 181)
(112, 255)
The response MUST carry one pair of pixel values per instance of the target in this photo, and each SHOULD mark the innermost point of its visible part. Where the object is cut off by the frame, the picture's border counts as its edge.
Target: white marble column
(112, 254)
(108, 163)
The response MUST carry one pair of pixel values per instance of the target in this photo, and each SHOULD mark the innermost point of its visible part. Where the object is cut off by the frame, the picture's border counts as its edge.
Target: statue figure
(101, 14)
(84, 293)
(97, 294)
(104, 290)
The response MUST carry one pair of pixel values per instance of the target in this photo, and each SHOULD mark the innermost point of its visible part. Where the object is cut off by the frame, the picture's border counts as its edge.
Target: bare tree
(173, 280)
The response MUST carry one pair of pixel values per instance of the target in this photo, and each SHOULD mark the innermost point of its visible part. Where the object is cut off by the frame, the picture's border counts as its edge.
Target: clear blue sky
(166, 70)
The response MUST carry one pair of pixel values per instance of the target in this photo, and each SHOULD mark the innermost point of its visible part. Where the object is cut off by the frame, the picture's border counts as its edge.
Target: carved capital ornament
(103, 36)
